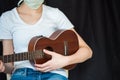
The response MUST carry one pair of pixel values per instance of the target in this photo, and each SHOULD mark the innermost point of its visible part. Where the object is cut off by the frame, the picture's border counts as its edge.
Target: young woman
(33, 18)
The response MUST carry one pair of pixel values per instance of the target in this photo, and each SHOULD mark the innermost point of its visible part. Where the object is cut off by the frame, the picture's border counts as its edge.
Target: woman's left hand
(57, 61)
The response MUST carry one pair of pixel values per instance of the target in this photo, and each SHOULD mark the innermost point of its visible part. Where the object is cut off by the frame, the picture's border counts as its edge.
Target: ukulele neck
(22, 56)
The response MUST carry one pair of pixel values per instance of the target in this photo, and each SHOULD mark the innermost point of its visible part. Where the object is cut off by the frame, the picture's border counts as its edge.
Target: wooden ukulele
(64, 42)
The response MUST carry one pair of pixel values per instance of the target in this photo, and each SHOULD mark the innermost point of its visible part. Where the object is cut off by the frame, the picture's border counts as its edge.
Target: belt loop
(25, 73)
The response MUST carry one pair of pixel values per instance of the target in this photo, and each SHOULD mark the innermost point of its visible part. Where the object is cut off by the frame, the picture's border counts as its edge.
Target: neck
(25, 9)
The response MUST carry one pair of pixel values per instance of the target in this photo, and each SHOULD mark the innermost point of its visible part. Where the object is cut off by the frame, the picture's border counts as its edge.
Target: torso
(22, 28)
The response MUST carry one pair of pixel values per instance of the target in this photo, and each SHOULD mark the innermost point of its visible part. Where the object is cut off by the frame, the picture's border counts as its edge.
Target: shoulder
(51, 10)
(7, 18)
(8, 14)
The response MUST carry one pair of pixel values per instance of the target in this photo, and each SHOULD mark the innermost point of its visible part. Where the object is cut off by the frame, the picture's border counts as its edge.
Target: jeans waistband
(30, 74)
(26, 71)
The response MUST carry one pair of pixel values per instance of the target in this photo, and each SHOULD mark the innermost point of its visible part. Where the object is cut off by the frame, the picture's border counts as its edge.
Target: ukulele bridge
(65, 48)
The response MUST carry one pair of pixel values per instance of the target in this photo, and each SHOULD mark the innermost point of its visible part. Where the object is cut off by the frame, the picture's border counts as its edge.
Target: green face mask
(34, 4)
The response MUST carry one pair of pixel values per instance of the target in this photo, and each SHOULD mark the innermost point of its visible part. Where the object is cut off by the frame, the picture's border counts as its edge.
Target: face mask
(34, 4)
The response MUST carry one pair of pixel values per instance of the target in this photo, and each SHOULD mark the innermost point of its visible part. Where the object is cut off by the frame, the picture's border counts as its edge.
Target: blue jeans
(30, 74)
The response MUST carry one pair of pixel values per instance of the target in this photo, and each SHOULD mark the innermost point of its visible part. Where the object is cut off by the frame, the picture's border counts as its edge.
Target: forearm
(7, 50)
(80, 56)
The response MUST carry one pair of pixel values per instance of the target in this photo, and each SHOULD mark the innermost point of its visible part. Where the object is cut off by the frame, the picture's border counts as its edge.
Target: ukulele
(64, 42)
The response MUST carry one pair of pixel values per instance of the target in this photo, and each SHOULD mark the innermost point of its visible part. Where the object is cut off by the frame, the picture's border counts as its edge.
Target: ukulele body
(64, 42)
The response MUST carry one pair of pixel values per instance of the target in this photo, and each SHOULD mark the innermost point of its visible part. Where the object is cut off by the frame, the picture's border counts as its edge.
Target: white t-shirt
(13, 27)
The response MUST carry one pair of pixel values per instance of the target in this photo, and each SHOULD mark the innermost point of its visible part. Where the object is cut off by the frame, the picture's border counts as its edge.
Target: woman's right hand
(2, 67)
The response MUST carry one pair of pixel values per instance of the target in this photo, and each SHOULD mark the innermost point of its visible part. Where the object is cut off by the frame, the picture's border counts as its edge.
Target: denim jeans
(30, 74)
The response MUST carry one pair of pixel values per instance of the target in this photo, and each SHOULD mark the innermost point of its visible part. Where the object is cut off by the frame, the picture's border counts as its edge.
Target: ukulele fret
(5, 59)
(30, 55)
(21, 57)
(35, 55)
(42, 54)
(25, 56)
(15, 57)
(9, 58)
(38, 54)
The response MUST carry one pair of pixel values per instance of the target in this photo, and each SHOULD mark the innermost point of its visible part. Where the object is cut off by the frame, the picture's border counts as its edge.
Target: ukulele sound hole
(49, 48)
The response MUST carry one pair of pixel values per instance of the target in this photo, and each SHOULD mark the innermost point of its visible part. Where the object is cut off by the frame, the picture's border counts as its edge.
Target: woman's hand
(2, 67)
(57, 61)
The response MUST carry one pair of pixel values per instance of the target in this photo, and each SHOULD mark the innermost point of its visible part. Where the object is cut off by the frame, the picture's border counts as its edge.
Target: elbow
(90, 53)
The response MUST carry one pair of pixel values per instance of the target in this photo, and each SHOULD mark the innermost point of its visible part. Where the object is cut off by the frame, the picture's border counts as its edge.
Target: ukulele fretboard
(22, 56)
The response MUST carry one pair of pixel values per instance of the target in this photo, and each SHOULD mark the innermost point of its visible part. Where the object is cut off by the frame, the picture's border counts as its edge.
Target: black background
(98, 23)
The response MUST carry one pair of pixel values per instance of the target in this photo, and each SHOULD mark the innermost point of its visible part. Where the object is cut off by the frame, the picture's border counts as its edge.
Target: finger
(2, 68)
(45, 69)
(37, 65)
(48, 52)
(1, 63)
(41, 65)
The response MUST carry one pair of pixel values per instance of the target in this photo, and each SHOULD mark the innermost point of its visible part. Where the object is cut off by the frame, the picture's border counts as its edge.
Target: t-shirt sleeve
(5, 32)
(62, 21)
